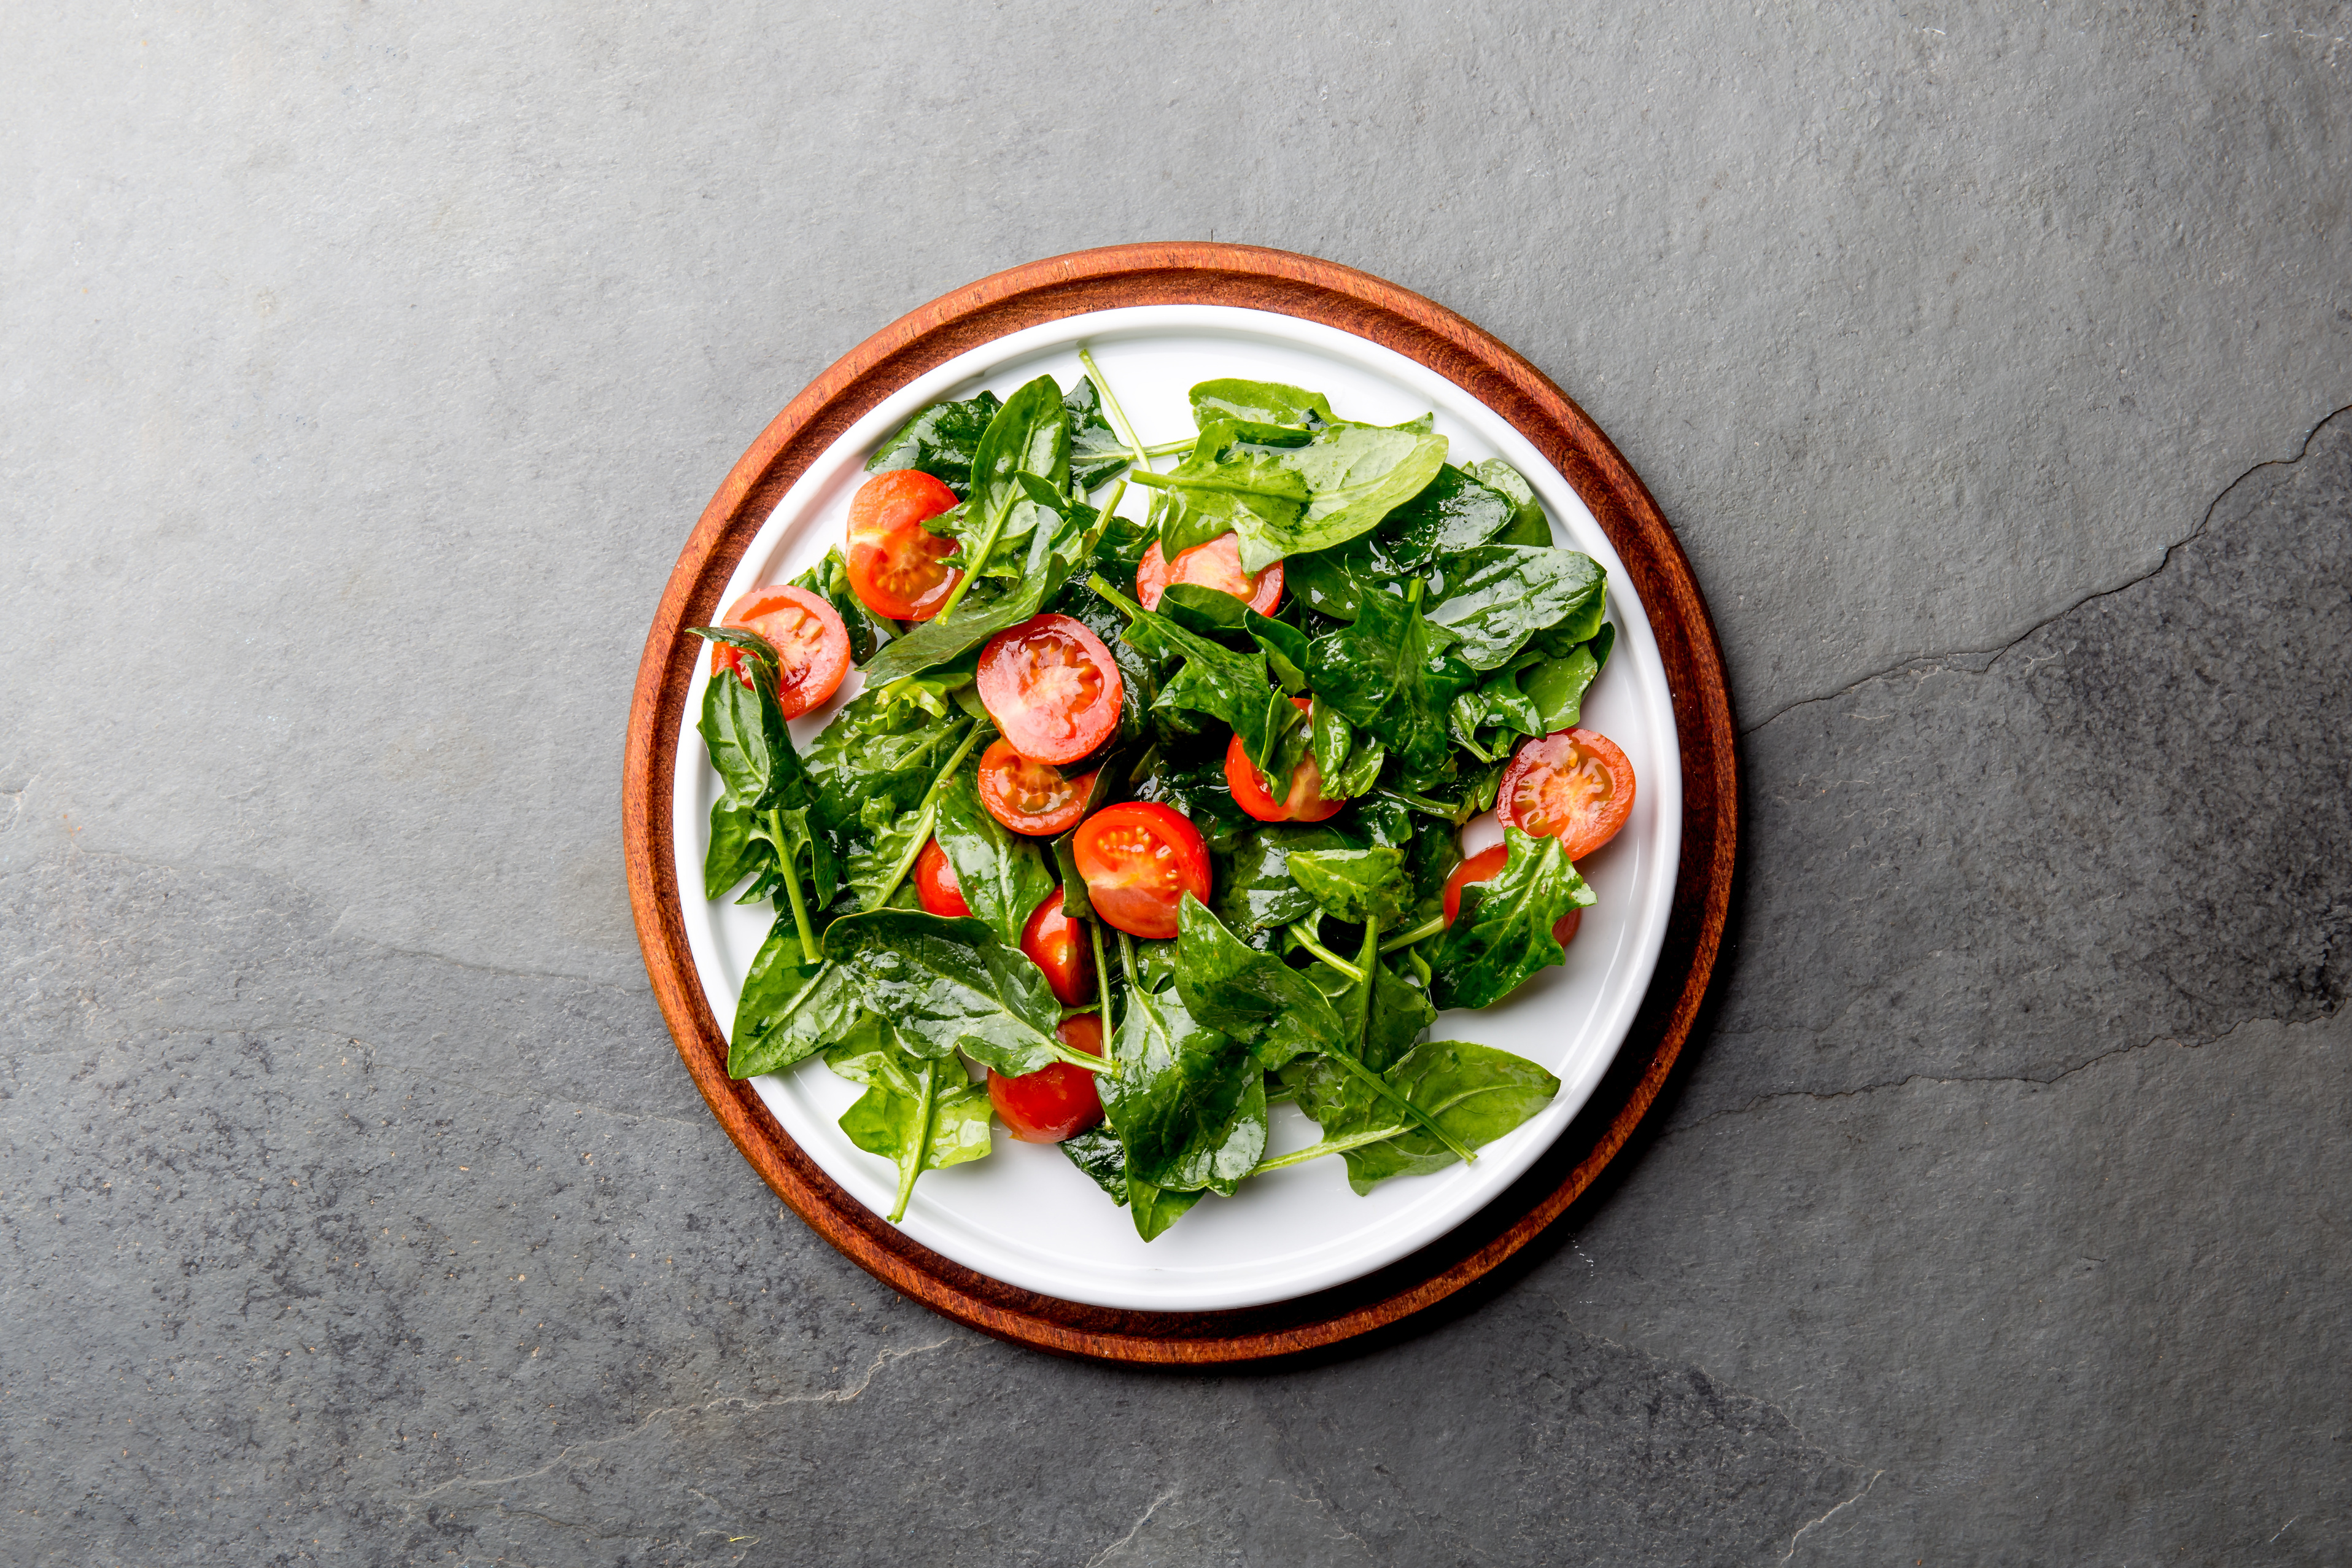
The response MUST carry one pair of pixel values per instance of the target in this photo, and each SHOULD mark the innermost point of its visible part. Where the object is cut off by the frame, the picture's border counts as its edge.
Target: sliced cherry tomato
(1216, 564)
(1140, 859)
(1484, 867)
(893, 561)
(1050, 685)
(1057, 1100)
(1305, 803)
(1573, 783)
(935, 888)
(1057, 944)
(811, 644)
(1028, 795)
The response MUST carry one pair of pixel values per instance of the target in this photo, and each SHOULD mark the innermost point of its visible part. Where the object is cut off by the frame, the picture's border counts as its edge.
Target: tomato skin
(1216, 564)
(1057, 944)
(1139, 859)
(1572, 784)
(1052, 688)
(1029, 796)
(811, 644)
(893, 561)
(1484, 867)
(1057, 1101)
(1305, 803)
(935, 888)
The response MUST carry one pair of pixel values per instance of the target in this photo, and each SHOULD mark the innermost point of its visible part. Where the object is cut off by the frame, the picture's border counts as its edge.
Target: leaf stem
(912, 1165)
(1078, 1059)
(1370, 958)
(1102, 981)
(1407, 937)
(1305, 939)
(1329, 1146)
(1224, 487)
(1125, 605)
(1110, 405)
(930, 819)
(1169, 449)
(791, 869)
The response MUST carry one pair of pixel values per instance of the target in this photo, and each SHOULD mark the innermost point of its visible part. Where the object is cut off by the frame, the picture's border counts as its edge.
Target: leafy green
(972, 623)
(1455, 512)
(948, 984)
(1495, 596)
(1189, 1102)
(921, 1115)
(941, 441)
(1002, 875)
(1377, 675)
(1231, 986)
(1154, 1209)
(733, 854)
(1474, 1092)
(1503, 933)
(1224, 684)
(1287, 492)
(1527, 525)
(1030, 435)
(1255, 890)
(744, 729)
(791, 1005)
(1258, 403)
(1096, 453)
(830, 578)
(1401, 1009)
(878, 748)
(1356, 885)
(1099, 1153)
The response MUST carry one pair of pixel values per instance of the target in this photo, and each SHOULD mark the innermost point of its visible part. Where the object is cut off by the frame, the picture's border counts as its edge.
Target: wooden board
(1245, 276)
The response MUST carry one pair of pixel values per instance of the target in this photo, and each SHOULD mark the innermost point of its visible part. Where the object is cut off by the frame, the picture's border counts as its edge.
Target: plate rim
(1192, 272)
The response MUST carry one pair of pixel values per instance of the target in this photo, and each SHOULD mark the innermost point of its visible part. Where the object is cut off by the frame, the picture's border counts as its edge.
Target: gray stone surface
(361, 370)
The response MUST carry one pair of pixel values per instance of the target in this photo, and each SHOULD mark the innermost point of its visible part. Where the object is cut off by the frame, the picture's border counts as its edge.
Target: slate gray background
(362, 369)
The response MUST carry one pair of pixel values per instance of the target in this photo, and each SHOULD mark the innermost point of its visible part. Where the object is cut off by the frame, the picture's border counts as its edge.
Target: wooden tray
(1300, 286)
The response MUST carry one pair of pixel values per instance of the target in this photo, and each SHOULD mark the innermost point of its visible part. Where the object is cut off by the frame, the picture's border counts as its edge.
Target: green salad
(1156, 824)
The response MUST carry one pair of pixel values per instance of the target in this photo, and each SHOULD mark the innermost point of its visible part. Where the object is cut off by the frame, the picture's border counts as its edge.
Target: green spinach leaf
(1495, 596)
(1254, 890)
(920, 1113)
(1285, 496)
(1453, 513)
(941, 441)
(1382, 674)
(1356, 885)
(1474, 1092)
(744, 728)
(1002, 875)
(791, 1006)
(1096, 453)
(949, 984)
(1189, 1102)
(1527, 525)
(1503, 933)
(1231, 986)
(1258, 403)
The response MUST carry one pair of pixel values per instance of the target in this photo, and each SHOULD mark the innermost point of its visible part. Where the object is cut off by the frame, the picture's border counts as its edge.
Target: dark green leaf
(1377, 674)
(1555, 690)
(1454, 512)
(1223, 485)
(1476, 1092)
(941, 441)
(733, 854)
(1225, 685)
(879, 749)
(1289, 498)
(1356, 885)
(1154, 1209)
(1030, 435)
(949, 984)
(1258, 403)
(1099, 1153)
(973, 622)
(1096, 453)
(1497, 596)
(790, 1007)
(745, 733)
(1002, 875)
(830, 579)
(1401, 1009)
(1253, 995)
(1255, 891)
(1527, 525)
(1503, 933)
(1189, 1102)
(915, 1129)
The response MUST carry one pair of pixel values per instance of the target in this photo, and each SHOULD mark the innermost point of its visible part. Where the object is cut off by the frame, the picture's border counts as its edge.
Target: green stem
(1125, 605)
(1102, 518)
(1169, 449)
(1305, 939)
(1370, 958)
(1110, 405)
(1225, 486)
(1102, 981)
(979, 561)
(793, 887)
(912, 1165)
(1329, 1146)
(930, 819)
(1407, 937)
(1080, 1059)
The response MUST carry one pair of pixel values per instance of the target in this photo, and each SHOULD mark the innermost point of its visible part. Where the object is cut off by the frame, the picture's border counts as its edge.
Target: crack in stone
(1833, 1513)
(1104, 1555)
(1924, 662)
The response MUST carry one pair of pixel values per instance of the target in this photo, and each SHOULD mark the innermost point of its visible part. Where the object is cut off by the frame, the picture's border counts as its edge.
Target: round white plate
(1025, 1215)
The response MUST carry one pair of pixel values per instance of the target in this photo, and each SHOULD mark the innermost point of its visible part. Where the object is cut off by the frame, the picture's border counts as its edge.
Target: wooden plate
(1352, 302)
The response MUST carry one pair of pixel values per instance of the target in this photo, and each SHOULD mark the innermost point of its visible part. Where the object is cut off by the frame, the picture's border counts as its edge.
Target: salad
(1157, 825)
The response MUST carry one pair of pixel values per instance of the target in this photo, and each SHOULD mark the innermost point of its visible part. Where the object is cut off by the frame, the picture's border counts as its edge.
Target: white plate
(1025, 1214)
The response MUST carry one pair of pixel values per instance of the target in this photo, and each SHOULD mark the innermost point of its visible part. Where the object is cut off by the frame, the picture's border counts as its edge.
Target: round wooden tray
(1192, 273)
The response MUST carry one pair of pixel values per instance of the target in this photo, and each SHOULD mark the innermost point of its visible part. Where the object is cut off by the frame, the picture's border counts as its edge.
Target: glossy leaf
(1189, 1102)
(1497, 596)
(921, 1115)
(1258, 403)
(1096, 453)
(1356, 885)
(791, 1006)
(1503, 933)
(1254, 890)
(1452, 514)
(1527, 525)
(1002, 874)
(1377, 674)
(1476, 1092)
(1232, 986)
(941, 441)
(949, 985)
(744, 729)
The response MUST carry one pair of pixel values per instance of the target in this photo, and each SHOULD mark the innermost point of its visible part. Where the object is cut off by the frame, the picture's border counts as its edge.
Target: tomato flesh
(1140, 859)
(896, 564)
(1057, 944)
(1057, 1101)
(1484, 867)
(935, 888)
(1305, 803)
(1051, 687)
(1029, 796)
(811, 644)
(1574, 785)
(1216, 564)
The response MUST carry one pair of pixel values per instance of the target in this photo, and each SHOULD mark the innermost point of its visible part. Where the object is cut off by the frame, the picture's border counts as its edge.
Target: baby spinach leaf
(744, 728)
(1225, 685)
(879, 749)
(1030, 435)
(734, 854)
(919, 1114)
(1096, 453)
(1099, 1153)
(1527, 525)
(1189, 1102)
(1495, 596)
(1003, 876)
(1401, 1009)
(1503, 933)
(1377, 674)
(1154, 1209)
(941, 441)
(1255, 890)
(791, 1006)
(1474, 1092)
(1285, 646)
(1555, 690)
(1356, 885)
(1332, 739)
(1204, 611)
(1258, 403)
(1229, 986)
(1226, 484)
(858, 1055)
(972, 623)
(949, 984)
(1287, 492)
(1453, 512)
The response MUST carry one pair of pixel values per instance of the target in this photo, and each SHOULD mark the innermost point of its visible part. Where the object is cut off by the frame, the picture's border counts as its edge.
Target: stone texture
(361, 370)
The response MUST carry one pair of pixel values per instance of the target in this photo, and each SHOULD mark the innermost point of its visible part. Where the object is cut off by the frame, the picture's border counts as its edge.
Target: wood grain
(1248, 277)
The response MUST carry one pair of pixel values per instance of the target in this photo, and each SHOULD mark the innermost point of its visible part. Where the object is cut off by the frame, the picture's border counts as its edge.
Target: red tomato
(1057, 944)
(1057, 1100)
(894, 560)
(1305, 803)
(1050, 685)
(1140, 859)
(1484, 867)
(1216, 564)
(935, 888)
(811, 644)
(1573, 783)
(1028, 795)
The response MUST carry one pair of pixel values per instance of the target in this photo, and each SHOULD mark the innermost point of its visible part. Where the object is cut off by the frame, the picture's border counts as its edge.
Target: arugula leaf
(1527, 525)
(1255, 891)
(1356, 885)
(941, 441)
(1495, 596)
(949, 984)
(1474, 1092)
(1188, 1102)
(1258, 403)
(1232, 986)
(1285, 496)
(1096, 453)
(921, 1115)
(1503, 933)
(1003, 876)
(792, 1005)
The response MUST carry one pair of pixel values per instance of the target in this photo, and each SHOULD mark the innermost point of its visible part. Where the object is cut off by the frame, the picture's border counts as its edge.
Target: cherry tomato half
(1140, 859)
(1029, 796)
(1305, 803)
(893, 561)
(1573, 783)
(1057, 944)
(1484, 867)
(1050, 685)
(935, 888)
(1216, 564)
(1057, 1100)
(811, 644)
